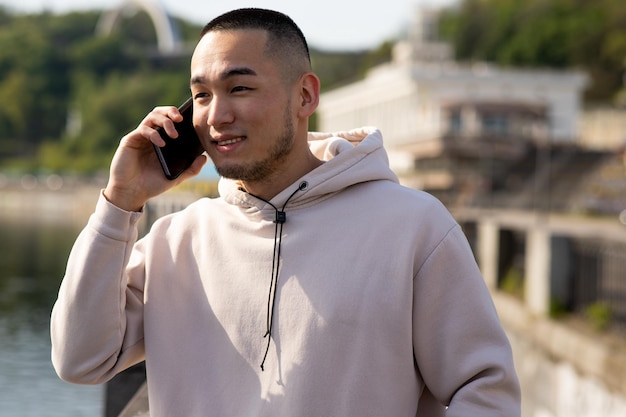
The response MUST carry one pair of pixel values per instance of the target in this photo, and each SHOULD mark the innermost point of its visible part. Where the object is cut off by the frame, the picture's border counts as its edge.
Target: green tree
(585, 34)
(33, 82)
(107, 110)
(54, 67)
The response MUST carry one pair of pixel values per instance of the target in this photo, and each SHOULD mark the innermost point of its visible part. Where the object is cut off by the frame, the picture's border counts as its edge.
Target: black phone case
(178, 154)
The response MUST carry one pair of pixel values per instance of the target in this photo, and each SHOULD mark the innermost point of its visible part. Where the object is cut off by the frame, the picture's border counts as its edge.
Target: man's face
(242, 106)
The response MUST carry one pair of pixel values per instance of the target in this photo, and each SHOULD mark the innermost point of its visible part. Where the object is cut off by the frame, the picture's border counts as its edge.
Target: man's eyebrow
(237, 71)
(233, 72)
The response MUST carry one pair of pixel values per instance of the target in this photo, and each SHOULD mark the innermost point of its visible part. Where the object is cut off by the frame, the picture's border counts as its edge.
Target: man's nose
(220, 112)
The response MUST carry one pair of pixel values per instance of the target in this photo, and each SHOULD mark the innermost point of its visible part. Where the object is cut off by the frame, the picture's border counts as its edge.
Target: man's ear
(309, 94)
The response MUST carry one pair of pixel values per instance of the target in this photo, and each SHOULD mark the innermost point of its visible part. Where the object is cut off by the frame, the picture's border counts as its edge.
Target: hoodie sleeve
(97, 320)
(460, 346)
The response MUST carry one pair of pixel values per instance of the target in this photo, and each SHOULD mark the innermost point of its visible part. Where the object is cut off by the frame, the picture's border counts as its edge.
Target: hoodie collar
(351, 157)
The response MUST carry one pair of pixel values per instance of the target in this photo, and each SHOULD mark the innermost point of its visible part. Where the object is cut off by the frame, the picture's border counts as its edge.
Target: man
(315, 285)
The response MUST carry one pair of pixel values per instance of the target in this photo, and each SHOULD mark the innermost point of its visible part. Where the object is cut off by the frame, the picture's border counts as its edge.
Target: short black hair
(285, 39)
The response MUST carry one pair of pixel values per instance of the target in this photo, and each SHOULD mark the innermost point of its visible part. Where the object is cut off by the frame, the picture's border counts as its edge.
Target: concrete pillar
(488, 250)
(537, 267)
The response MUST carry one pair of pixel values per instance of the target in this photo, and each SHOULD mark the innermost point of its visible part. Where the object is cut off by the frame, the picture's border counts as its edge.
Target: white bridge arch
(168, 38)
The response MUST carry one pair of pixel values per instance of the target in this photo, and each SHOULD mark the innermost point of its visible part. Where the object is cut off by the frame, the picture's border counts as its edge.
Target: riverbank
(66, 205)
(75, 204)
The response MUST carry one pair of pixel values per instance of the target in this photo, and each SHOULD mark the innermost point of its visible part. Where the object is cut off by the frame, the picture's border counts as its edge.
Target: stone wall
(565, 370)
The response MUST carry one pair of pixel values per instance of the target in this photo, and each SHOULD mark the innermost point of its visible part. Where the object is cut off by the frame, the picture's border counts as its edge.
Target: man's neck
(273, 185)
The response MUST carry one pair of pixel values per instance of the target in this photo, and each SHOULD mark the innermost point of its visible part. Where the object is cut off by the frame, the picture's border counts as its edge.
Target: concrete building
(603, 128)
(423, 96)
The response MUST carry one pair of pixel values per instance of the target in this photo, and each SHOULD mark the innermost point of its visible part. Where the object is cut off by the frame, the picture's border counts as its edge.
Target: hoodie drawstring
(280, 219)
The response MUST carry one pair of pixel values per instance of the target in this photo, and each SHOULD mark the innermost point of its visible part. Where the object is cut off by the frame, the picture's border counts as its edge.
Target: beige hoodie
(378, 297)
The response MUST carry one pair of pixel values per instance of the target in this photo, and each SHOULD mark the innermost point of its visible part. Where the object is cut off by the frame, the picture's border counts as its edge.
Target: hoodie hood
(350, 157)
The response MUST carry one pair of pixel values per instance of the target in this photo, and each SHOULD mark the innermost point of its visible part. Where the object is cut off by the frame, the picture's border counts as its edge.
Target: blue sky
(328, 24)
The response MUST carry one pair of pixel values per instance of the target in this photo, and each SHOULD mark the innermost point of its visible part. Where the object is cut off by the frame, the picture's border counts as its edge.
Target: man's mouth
(228, 141)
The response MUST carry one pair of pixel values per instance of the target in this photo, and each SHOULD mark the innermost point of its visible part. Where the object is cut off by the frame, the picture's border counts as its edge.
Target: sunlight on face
(242, 105)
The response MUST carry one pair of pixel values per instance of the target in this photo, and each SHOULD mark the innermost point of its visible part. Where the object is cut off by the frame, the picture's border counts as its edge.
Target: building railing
(599, 282)
(555, 264)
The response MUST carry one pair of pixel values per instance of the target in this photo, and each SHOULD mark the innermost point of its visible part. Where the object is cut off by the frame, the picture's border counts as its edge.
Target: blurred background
(512, 112)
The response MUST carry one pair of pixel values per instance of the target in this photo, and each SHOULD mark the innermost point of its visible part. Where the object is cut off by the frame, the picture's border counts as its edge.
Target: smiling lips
(228, 141)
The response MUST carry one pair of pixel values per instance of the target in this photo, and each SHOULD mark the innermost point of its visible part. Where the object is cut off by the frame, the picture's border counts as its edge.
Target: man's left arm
(460, 347)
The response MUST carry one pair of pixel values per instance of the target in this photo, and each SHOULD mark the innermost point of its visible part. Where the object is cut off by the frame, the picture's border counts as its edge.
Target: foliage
(54, 69)
(599, 314)
(332, 69)
(586, 34)
(110, 108)
(337, 68)
(34, 80)
(513, 282)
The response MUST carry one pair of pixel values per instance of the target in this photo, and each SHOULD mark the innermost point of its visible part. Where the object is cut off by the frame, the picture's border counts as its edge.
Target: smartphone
(178, 154)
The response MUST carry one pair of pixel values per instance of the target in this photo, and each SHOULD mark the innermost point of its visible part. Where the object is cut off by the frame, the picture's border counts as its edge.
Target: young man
(315, 285)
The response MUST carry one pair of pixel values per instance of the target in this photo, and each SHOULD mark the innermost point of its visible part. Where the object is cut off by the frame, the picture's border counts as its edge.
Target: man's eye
(240, 88)
(201, 95)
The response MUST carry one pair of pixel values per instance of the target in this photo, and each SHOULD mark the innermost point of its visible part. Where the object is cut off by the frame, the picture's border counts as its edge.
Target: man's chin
(239, 172)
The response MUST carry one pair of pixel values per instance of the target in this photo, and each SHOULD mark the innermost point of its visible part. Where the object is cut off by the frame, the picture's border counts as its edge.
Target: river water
(33, 254)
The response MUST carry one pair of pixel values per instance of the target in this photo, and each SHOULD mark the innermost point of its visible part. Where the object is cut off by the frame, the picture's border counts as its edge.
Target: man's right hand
(135, 174)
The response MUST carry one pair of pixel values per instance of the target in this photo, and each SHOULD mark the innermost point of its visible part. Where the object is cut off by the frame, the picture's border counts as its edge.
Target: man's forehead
(230, 47)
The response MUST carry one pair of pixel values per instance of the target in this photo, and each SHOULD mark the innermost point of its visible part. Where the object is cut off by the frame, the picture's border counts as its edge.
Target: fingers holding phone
(161, 152)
